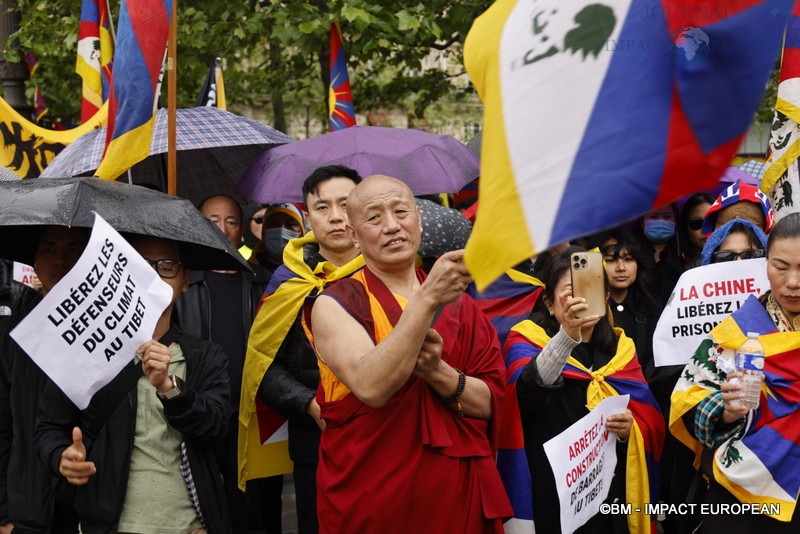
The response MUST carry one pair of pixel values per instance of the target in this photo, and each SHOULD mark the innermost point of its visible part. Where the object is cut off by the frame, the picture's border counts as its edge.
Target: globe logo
(690, 45)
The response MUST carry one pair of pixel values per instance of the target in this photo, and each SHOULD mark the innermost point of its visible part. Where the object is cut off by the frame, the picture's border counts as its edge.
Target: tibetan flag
(341, 113)
(595, 113)
(760, 464)
(141, 49)
(213, 91)
(95, 52)
(784, 142)
(507, 301)
(31, 62)
(40, 105)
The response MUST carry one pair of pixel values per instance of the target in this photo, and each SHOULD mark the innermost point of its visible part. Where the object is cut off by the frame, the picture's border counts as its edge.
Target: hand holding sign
(91, 320)
(620, 424)
(155, 364)
(73, 461)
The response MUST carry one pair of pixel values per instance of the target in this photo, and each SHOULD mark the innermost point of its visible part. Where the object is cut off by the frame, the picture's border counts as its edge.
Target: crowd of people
(394, 380)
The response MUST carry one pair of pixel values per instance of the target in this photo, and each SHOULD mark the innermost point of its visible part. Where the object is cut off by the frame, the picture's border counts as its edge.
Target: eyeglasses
(727, 255)
(165, 268)
(258, 219)
(695, 224)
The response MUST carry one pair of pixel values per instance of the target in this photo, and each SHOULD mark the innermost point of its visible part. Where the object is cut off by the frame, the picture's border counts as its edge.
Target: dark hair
(739, 228)
(786, 228)
(673, 247)
(640, 289)
(235, 203)
(603, 337)
(328, 172)
(683, 223)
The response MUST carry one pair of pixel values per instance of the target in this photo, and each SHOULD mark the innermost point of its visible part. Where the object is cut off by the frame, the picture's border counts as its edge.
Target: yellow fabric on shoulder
(270, 326)
(637, 485)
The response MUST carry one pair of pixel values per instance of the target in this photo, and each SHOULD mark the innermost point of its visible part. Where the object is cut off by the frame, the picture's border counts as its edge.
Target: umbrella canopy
(755, 169)
(27, 205)
(214, 149)
(443, 229)
(474, 144)
(428, 163)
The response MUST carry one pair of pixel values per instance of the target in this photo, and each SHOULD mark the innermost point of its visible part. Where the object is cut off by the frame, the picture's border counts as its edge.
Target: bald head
(384, 222)
(377, 184)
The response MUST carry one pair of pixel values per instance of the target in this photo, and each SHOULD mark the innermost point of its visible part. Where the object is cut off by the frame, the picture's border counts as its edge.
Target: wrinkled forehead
(380, 190)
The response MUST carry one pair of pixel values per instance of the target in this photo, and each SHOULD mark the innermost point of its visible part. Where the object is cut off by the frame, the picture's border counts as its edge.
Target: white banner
(703, 297)
(583, 459)
(23, 273)
(88, 326)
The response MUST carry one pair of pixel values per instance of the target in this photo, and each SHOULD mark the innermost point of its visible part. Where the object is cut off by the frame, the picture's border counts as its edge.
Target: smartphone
(588, 281)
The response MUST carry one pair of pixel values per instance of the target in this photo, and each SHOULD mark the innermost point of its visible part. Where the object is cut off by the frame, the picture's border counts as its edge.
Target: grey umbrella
(443, 229)
(27, 205)
(474, 144)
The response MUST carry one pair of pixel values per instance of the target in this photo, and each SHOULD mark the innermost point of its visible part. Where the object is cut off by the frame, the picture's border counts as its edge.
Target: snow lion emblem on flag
(593, 25)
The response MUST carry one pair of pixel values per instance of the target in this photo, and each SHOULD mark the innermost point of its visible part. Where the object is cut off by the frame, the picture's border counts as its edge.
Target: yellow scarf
(275, 318)
(637, 483)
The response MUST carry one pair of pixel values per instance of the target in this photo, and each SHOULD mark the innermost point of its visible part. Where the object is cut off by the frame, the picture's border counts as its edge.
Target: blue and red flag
(599, 112)
(95, 52)
(341, 113)
(508, 301)
(141, 48)
(40, 105)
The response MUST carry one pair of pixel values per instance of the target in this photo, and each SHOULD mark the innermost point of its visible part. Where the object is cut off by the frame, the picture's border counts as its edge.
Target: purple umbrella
(428, 163)
(214, 149)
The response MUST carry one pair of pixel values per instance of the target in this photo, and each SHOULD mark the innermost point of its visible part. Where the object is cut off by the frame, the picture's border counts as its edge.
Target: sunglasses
(258, 219)
(695, 224)
(728, 255)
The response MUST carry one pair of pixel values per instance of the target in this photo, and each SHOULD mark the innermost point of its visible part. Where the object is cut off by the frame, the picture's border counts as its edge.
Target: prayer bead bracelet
(455, 397)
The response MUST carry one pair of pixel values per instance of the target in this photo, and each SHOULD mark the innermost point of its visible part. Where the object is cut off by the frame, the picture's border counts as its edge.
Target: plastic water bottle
(750, 362)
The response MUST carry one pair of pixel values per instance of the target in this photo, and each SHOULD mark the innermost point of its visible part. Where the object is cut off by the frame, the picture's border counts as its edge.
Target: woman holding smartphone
(568, 365)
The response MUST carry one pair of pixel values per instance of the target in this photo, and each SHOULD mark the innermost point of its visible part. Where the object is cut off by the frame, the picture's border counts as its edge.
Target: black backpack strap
(107, 399)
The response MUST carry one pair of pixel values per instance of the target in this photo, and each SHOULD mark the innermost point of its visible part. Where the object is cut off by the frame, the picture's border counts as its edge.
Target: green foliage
(386, 43)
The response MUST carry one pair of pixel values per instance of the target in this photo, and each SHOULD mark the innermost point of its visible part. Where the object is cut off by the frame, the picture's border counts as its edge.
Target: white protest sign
(88, 327)
(703, 297)
(583, 459)
(23, 273)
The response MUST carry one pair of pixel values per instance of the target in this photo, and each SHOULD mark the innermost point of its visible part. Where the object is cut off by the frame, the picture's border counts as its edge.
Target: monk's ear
(351, 233)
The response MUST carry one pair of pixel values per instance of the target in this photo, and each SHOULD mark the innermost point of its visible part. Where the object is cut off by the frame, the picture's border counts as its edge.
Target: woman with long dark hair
(690, 227)
(634, 306)
(570, 364)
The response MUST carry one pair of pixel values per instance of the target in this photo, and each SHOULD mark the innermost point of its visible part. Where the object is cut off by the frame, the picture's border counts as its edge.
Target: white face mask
(275, 239)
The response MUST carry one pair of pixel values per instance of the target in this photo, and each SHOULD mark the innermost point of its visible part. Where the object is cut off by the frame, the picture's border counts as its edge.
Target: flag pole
(172, 70)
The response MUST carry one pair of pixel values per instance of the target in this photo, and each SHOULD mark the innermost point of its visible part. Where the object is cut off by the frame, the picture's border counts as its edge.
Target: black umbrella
(28, 205)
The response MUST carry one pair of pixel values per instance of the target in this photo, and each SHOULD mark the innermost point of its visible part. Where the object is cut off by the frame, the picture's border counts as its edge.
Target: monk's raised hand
(448, 278)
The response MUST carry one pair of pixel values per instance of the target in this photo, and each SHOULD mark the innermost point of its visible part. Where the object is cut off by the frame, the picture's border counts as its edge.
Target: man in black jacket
(290, 383)
(143, 450)
(31, 501)
(219, 306)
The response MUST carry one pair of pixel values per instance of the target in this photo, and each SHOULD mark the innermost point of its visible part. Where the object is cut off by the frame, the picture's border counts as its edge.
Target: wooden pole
(172, 84)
